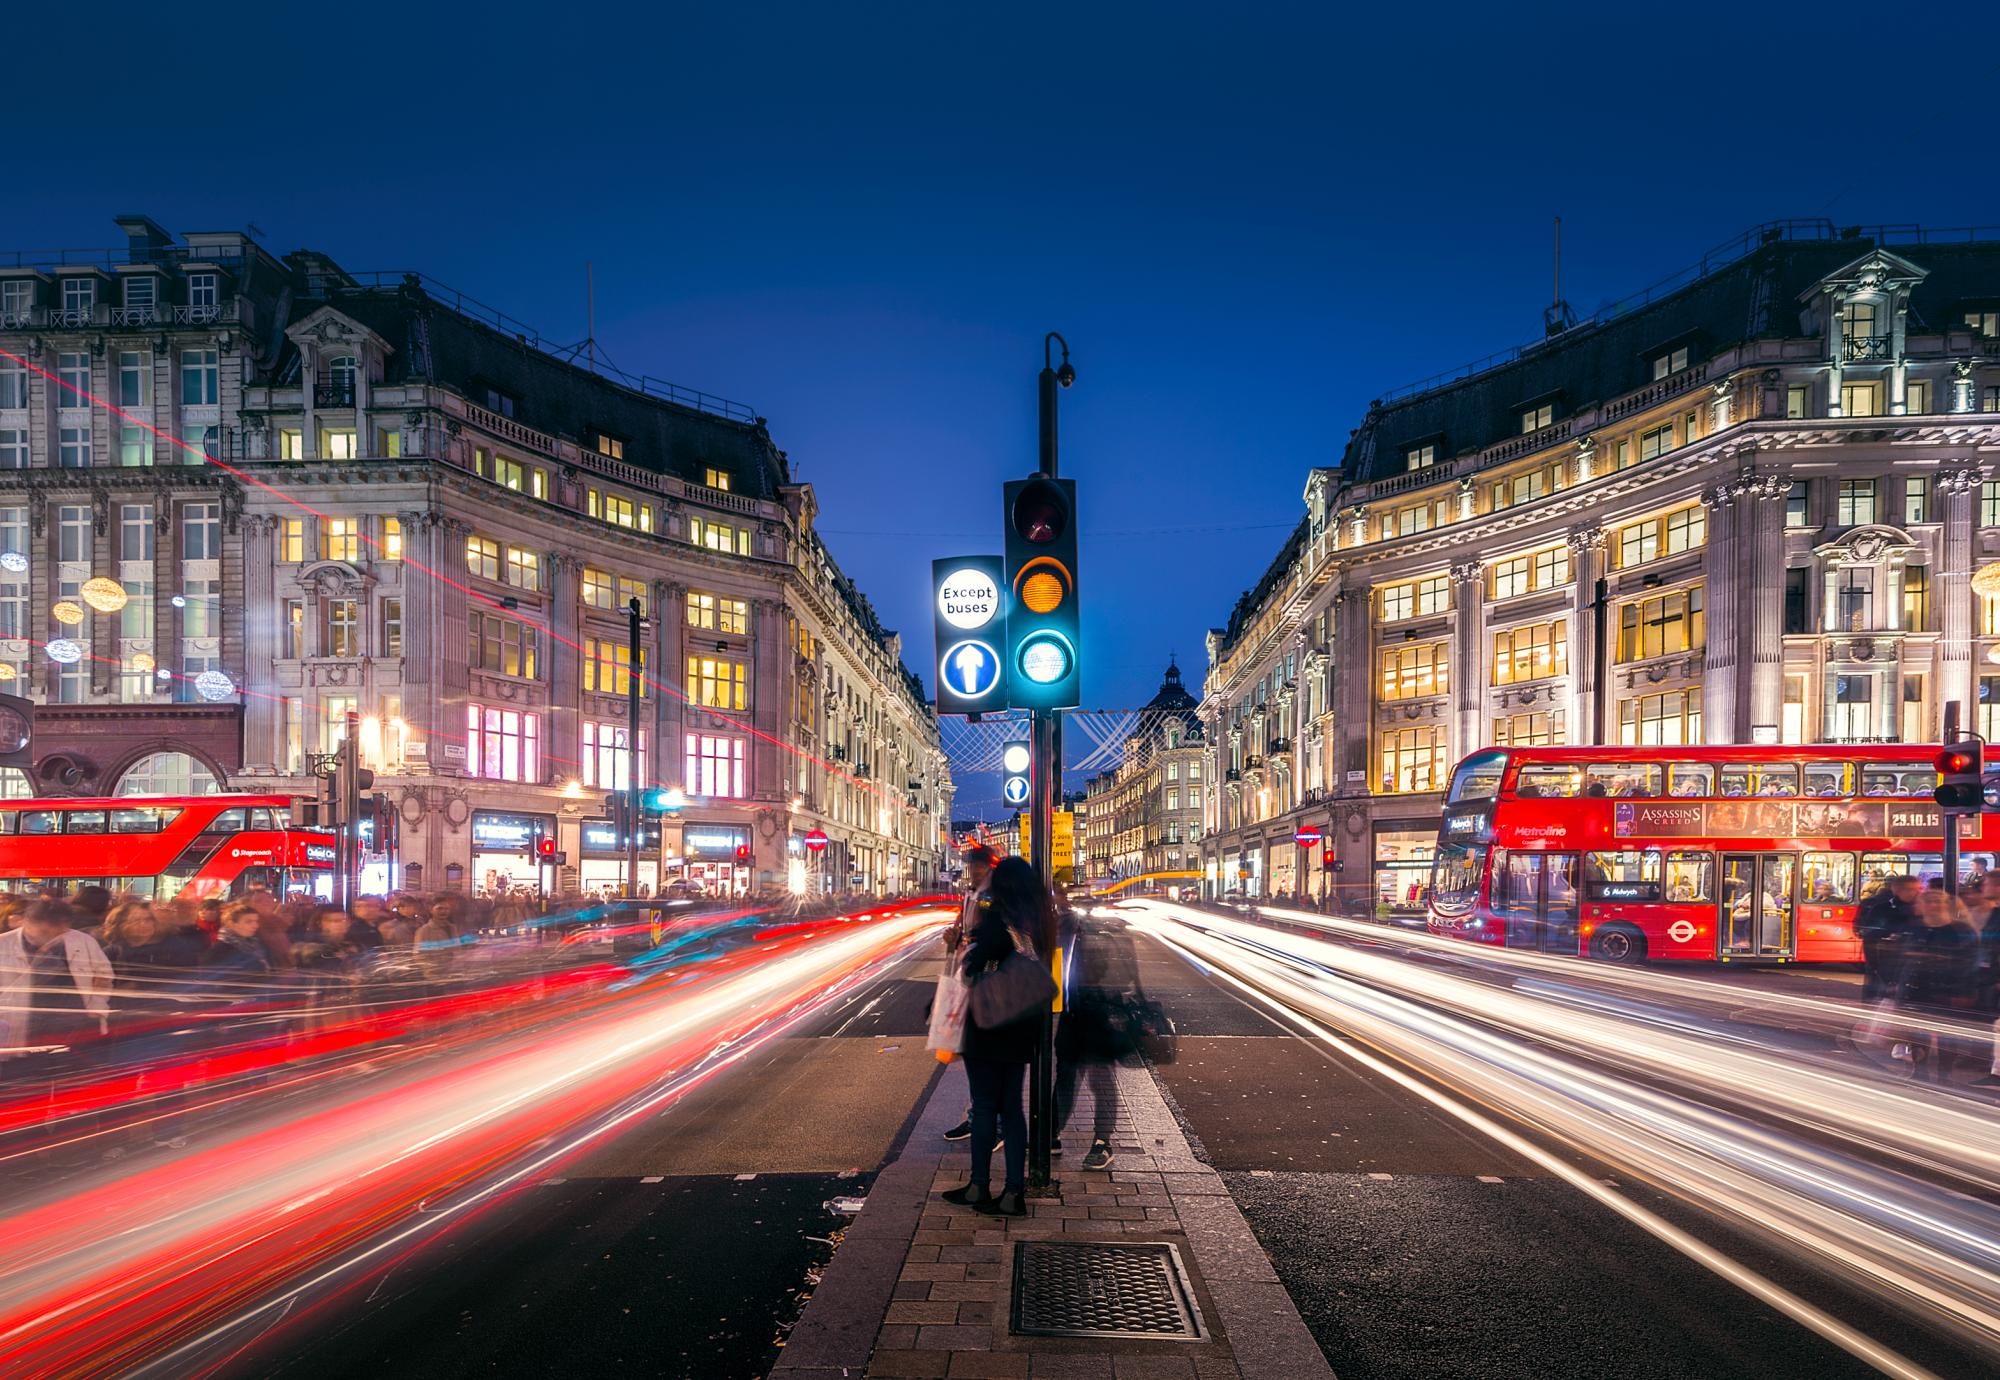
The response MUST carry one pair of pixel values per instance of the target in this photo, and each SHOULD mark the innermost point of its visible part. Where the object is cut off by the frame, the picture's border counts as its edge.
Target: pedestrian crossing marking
(1491, 1179)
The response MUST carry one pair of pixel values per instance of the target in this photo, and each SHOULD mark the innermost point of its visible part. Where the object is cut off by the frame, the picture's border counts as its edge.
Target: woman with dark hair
(1015, 916)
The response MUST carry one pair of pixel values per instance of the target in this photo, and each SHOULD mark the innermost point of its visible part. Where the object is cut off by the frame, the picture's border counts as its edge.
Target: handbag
(947, 1027)
(1016, 986)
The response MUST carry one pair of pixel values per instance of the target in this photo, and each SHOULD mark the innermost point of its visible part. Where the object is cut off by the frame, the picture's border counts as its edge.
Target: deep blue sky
(861, 219)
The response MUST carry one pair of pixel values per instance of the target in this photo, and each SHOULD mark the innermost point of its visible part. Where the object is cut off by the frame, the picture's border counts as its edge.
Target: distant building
(1145, 814)
(1783, 468)
(433, 527)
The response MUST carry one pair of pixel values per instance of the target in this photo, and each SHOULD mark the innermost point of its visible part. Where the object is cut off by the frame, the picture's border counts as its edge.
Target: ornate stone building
(1144, 815)
(426, 518)
(1779, 470)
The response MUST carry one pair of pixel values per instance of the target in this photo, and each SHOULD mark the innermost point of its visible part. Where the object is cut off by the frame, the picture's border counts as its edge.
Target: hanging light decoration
(6, 671)
(104, 594)
(214, 685)
(68, 612)
(1986, 580)
(65, 651)
(142, 661)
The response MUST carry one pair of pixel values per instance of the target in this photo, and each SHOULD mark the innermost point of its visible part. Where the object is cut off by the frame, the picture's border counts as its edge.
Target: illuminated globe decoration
(142, 661)
(1986, 580)
(69, 612)
(1046, 659)
(6, 671)
(14, 561)
(163, 674)
(1014, 758)
(214, 685)
(104, 594)
(65, 651)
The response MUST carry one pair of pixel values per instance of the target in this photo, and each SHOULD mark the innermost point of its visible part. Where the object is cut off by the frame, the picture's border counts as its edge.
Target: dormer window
(611, 447)
(1535, 418)
(496, 401)
(1670, 363)
(204, 293)
(1861, 333)
(79, 296)
(716, 479)
(17, 299)
(141, 292)
(1984, 323)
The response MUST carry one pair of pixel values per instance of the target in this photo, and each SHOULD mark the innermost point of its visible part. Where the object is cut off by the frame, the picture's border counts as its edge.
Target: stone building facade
(1144, 815)
(423, 517)
(1784, 468)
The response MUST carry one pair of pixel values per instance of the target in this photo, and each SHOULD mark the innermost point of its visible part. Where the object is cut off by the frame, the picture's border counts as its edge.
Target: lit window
(610, 446)
(1861, 399)
(199, 378)
(1670, 363)
(598, 588)
(1917, 397)
(1525, 574)
(482, 557)
(716, 479)
(1661, 625)
(1412, 759)
(502, 646)
(524, 568)
(619, 511)
(1798, 401)
(1416, 598)
(607, 667)
(1857, 502)
(718, 683)
(392, 539)
(1684, 529)
(292, 540)
(338, 445)
(714, 612)
(714, 766)
(1413, 671)
(1661, 720)
(719, 536)
(342, 632)
(1535, 418)
(502, 744)
(1658, 441)
(1533, 729)
(291, 444)
(1531, 653)
(607, 756)
(340, 539)
(1420, 457)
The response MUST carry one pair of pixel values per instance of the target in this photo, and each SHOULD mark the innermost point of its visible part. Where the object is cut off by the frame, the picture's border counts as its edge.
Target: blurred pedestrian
(1884, 921)
(1015, 917)
(1097, 1027)
(1940, 963)
(240, 950)
(55, 985)
(978, 863)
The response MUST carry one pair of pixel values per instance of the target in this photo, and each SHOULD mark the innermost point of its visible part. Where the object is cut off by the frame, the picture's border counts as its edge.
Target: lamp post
(1045, 738)
(636, 651)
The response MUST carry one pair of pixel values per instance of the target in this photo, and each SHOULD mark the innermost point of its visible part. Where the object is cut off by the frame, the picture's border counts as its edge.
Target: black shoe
(972, 1196)
(1100, 1156)
(1006, 1205)
(962, 1131)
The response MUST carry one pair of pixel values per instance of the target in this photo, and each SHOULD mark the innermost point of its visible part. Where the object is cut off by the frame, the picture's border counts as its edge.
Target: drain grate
(1097, 1289)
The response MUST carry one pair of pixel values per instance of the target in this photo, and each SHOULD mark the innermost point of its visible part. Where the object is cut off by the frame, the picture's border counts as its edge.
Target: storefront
(1402, 874)
(503, 850)
(600, 862)
(717, 860)
(1284, 868)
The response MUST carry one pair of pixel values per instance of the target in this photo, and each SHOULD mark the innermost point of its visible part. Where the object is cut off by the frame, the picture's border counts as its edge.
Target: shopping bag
(948, 1008)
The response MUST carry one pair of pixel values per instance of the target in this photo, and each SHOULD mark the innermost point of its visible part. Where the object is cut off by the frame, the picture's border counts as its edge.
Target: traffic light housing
(614, 811)
(1960, 789)
(662, 800)
(545, 848)
(742, 855)
(1016, 763)
(1043, 627)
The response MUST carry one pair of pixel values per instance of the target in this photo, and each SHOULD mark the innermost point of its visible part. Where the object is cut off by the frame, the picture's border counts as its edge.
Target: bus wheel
(1618, 944)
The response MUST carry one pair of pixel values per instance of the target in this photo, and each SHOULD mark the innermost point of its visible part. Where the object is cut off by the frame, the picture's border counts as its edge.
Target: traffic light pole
(633, 683)
(1951, 731)
(1045, 740)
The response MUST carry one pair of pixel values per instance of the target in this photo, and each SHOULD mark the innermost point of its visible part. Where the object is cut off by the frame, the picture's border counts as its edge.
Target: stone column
(1958, 492)
(1469, 674)
(99, 631)
(1354, 690)
(1586, 558)
(1721, 683)
(563, 735)
(263, 708)
(1762, 530)
(670, 708)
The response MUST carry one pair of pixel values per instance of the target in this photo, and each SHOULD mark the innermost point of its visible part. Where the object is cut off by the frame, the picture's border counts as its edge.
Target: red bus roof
(128, 802)
(1768, 752)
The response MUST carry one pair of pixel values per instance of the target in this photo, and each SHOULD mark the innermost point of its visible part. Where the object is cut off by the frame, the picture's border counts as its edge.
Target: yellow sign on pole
(1062, 852)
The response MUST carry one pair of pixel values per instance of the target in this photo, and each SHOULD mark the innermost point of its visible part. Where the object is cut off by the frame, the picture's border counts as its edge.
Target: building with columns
(1144, 815)
(429, 523)
(1781, 469)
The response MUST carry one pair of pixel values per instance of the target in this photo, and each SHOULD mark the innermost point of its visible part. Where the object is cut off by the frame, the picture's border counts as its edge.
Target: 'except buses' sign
(1780, 819)
(970, 621)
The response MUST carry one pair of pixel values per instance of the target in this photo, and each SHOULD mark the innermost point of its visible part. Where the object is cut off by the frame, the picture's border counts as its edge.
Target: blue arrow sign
(1014, 790)
(970, 669)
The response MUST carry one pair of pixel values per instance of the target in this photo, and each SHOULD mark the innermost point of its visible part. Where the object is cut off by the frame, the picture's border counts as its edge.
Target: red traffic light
(1952, 761)
(545, 847)
(1041, 513)
(743, 852)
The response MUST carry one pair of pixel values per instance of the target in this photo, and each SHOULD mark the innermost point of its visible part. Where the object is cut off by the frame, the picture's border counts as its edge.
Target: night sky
(861, 220)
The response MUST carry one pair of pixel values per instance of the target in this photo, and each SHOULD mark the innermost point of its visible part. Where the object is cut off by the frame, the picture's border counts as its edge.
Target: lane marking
(652, 1178)
(744, 1178)
(1382, 1176)
(1491, 1179)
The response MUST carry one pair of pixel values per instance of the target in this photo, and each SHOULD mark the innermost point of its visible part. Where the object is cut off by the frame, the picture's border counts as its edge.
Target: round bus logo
(1681, 931)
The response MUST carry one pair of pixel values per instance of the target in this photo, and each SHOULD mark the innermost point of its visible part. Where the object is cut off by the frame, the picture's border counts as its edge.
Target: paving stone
(1047, 1367)
(939, 1270)
(989, 1365)
(910, 1365)
(954, 1337)
(925, 1311)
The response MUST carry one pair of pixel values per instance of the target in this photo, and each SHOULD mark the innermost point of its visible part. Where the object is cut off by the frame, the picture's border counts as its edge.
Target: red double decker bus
(1724, 854)
(163, 846)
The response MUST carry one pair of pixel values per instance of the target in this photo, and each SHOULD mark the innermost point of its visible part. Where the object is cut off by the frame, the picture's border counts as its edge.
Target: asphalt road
(1416, 1248)
(684, 1248)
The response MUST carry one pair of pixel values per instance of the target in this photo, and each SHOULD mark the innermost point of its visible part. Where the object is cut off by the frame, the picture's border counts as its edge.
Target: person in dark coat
(1097, 1026)
(1015, 916)
(1885, 919)
(1940, 964)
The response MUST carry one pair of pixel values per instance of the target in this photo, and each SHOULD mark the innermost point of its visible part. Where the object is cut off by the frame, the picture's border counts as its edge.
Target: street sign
(1062, 848)
(1307, 837)
(1014, 792)
(1017, 760)
(816, 841)
(969, 612)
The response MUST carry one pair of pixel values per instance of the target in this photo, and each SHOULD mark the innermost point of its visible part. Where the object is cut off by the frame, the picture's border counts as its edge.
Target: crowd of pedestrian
(1931, 968)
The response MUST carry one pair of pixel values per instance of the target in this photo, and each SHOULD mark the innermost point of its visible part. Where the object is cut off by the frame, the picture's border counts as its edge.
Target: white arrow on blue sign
(971, 669)
(1015, 791)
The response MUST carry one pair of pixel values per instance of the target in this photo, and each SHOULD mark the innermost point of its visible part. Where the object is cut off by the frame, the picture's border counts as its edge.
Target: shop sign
(600, 837)
(1307, 837)
(492, 831)
(713, 840)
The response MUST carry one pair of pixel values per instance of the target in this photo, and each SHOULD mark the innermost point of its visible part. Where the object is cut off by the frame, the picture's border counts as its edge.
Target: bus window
(1759, 778)
(1829, 780)
(1517, 884)
(1829, 878)
(1622, 780)
(141, 821)
(1897, 780)
(1548, 780)
(1690, 876)
(1631, 875)
(1477, 778)
(264, 817)
(1687, 780)
(1455, 878)
(228, 822)
(85, 822)
(41, 822)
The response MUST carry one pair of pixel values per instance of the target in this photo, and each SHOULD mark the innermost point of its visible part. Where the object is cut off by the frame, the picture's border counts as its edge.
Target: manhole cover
(1095, 1289)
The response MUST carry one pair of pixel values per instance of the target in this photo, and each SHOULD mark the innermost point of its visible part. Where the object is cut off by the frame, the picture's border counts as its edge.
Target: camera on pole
(1043, 629)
